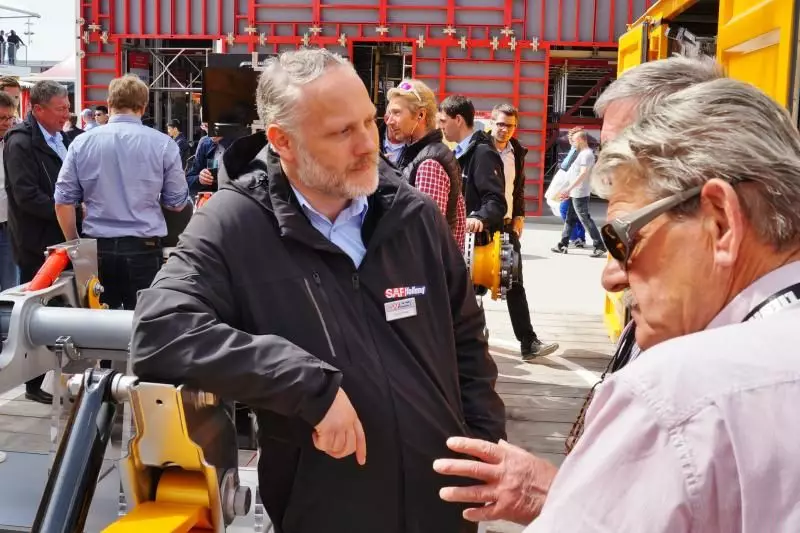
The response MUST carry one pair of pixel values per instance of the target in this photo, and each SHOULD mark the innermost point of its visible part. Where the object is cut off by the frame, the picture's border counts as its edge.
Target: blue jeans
(9, 273)
(580, 215)
(126, 266)
(578, 231)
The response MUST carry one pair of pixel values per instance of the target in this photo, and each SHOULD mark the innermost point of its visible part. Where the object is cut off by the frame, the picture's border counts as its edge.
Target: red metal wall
(490, 50)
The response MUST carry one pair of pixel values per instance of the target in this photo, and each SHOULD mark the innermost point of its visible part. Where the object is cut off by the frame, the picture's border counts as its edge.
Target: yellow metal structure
(181, 506)
(159, 517)
(486, 266)
(170, 481)
(93, 292)
(756, 43)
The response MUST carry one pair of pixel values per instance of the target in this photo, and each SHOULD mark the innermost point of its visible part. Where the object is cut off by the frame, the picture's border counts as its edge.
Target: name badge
(400, 309)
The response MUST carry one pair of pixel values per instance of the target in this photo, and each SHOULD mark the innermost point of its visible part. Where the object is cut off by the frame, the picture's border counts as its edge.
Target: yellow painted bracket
(93, 294)
(160, 517)
(181, 506)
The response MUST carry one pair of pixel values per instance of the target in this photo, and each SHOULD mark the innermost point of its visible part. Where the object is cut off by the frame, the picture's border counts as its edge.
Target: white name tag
(400, 309)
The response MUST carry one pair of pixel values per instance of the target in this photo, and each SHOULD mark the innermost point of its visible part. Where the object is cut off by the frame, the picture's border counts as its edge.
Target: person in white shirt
(505, 118)
(698, 433)
(580, 190)
(9, 274)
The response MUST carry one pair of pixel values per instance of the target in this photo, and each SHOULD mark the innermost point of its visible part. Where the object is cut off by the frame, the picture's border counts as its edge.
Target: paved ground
(542, 398)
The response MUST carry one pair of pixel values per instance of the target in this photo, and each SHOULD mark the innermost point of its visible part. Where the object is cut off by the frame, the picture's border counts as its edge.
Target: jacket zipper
(319, 312)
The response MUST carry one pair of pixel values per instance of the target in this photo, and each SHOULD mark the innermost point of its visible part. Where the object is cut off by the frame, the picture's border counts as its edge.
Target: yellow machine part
(93, 295)
(486, 266)
(181, 506)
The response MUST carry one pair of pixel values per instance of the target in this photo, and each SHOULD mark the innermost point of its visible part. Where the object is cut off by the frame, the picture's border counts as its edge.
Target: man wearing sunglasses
(101, 115)
(699, 433)
(425, 161)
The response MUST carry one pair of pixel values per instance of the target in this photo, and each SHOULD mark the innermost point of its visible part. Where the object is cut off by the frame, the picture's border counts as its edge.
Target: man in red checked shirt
(426, 162)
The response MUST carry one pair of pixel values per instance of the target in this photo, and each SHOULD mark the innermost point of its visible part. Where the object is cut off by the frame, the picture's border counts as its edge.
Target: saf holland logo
(403, 292)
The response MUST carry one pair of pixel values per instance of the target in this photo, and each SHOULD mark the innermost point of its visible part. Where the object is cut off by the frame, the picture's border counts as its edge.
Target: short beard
(316, 176)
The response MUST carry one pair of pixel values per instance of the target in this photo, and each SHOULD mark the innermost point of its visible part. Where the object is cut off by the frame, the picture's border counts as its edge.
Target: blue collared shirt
(392, 151)
(345, 231)
(462, 146)
(56, 142)
(123, 173)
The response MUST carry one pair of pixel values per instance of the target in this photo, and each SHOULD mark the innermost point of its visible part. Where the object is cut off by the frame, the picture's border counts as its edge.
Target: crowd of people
(324, 285)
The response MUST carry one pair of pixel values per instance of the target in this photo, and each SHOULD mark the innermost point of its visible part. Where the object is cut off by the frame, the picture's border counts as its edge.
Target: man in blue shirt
(208, 155)
(32, 157)
(124, 174)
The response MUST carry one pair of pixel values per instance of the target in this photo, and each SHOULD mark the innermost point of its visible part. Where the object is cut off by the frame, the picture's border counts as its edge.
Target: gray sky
(53, 37)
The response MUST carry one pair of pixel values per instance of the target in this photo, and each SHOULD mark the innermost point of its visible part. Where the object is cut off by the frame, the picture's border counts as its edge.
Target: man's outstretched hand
(515, 482)
(340, 433)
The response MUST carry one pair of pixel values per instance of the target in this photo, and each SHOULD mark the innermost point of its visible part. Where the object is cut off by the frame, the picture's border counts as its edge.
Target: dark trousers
(126, 266)
(517, 300)
(26, 274)
(580, 214)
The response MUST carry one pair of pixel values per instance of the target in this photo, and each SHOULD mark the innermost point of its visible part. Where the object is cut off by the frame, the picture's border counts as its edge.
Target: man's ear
(280, 141)
(724, 220)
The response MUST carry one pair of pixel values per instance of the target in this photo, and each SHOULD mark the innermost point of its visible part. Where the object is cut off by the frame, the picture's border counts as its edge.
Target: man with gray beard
(322, 290)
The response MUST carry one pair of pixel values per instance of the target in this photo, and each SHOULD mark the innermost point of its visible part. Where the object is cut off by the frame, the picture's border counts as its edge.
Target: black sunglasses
(619, 235)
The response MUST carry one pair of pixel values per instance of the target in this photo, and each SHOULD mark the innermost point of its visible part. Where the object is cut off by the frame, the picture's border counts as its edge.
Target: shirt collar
(509, 149)
(357, 208)
(393, 147)
(130, 119)
(47, 135)
(462, 146)
(764, 287)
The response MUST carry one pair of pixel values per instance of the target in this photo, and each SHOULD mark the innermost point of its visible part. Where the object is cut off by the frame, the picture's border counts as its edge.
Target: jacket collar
(478, 137)
(412, 150)
(518, 148)
(37, 137)
(251, 168)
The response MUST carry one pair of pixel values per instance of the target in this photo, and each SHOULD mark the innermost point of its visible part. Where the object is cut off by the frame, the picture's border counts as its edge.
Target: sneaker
(537, 348)
(578, 243)
(559, 249)
(599, 252)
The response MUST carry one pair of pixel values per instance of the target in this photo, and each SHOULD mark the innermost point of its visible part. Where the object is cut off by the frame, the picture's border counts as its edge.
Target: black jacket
(257, 306)
(520, 152)
(31, 169)
(483, 181)
(71, 134)
(183, 147)
(431, 147)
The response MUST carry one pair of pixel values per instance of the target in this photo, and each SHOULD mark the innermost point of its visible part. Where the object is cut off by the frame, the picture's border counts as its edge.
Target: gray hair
(279, 86)
(44, 91)
(723, 129)
(649, 83)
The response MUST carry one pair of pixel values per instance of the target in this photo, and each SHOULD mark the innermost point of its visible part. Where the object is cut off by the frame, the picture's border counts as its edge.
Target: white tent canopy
(65, 71)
